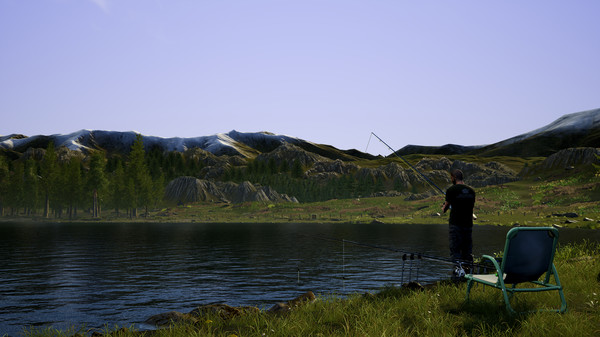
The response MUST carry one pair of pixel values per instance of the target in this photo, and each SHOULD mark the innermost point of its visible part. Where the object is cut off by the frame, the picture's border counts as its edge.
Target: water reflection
(98, 274)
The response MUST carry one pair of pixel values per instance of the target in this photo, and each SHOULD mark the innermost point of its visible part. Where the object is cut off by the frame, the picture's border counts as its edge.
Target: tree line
(289, 178)
(54, 187)
(61, 188)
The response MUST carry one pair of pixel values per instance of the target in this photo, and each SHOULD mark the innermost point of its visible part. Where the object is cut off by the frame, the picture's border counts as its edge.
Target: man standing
(460, 199)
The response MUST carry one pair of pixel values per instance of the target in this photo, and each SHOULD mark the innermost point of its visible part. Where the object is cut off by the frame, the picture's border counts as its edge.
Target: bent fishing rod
(410, 165)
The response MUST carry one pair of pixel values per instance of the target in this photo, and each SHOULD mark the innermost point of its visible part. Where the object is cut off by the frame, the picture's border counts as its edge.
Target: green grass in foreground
(437, 311)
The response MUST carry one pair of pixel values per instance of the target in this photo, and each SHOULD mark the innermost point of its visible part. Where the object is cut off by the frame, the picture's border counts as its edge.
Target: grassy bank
(522, 202)
(436, 311)
(534, 200)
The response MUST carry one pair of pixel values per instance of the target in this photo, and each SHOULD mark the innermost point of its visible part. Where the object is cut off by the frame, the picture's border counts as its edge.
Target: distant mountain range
(581, 129)
(248, 145)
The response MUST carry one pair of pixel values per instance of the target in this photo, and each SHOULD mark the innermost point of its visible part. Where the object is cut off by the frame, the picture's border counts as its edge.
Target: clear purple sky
(327, 71)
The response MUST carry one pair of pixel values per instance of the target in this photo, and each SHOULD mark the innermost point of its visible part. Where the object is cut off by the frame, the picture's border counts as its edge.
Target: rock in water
(283, 307)
(170, 317)
(223, 310)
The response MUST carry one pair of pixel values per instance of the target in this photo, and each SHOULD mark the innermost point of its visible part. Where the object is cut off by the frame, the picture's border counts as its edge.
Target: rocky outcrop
(214, 172)
(336, 167)
(288, 153)
(190, 189)
(491, 173)
(436, 171)
(399, 178)
(203, 156)
(238, 193)
(566, 159)
(572, 157)
(34, 153)
(63, 154)
(431, 164)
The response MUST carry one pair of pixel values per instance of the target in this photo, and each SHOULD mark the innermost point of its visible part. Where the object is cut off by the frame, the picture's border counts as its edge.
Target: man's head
(456, 175)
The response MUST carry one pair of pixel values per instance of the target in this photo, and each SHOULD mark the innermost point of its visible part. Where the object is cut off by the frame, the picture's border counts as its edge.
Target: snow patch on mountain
(233, 142)
(570, 123)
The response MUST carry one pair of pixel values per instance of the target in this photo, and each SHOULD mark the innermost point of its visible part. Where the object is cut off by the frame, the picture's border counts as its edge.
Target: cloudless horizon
(327, 71)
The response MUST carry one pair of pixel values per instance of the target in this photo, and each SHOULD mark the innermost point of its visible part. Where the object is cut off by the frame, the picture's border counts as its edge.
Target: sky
(327, 71)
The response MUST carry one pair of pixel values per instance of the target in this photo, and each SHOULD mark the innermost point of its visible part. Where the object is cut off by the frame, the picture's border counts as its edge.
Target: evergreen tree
(137, 172)
(284, 166)
(193, 166)
(96, 180)
(158, 190)
(251, 168)
(16, 194)
(48, 175)
(297, 170)
(179, 164)
(260, 169)
(30, 186)
(4, 179)
(130, 197)
(118, 188)
(154, 160)
(73, 186)
(58, 194)
(271, 166)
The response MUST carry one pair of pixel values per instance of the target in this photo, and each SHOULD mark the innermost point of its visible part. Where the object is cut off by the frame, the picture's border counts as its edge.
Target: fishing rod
(410, 165)
(392, 249)
(406, 254)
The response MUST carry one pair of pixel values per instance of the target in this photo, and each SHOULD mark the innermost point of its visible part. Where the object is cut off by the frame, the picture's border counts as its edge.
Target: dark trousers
(461, 243)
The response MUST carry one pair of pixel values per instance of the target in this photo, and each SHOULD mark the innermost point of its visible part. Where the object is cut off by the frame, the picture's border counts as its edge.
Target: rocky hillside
(403, 178)
(189, 189)
(580, 158)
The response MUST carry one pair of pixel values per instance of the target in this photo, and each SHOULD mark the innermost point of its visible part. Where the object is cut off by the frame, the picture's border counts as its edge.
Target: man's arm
(445, 207)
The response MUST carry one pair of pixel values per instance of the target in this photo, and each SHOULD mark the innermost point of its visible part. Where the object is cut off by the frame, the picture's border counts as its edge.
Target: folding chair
(528, 254)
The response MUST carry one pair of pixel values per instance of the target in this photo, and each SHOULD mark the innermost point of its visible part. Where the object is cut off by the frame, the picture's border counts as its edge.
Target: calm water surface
(97, 274)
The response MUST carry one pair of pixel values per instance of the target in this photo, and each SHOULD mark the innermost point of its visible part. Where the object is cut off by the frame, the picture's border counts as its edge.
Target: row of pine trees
(62, 188)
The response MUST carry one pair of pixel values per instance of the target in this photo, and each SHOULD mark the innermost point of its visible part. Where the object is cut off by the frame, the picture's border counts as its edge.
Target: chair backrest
(528, 253)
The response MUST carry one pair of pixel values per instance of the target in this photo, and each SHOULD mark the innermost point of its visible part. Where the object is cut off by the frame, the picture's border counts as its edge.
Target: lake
(94, 274)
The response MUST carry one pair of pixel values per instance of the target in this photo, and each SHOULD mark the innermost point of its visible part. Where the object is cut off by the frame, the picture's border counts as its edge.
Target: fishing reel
(459, 272)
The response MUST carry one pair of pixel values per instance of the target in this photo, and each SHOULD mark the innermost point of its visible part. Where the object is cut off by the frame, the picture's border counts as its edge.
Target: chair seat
(487, 278)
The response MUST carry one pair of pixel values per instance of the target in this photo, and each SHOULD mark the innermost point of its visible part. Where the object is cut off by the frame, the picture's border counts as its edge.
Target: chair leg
(507, 301)
(563, 301)
(469, 285)
(512, 293)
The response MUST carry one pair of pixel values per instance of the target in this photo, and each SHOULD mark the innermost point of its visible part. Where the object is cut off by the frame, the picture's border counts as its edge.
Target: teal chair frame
(528, 254)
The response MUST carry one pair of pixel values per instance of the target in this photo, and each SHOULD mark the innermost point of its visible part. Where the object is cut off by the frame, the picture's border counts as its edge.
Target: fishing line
(431, 183)
(369, 142)
(412, 257)
(403, 262)
(407, 254)
(343, 266)
(419, 265)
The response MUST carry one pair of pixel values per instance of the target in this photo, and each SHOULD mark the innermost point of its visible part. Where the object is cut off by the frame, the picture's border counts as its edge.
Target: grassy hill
(534, 200)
